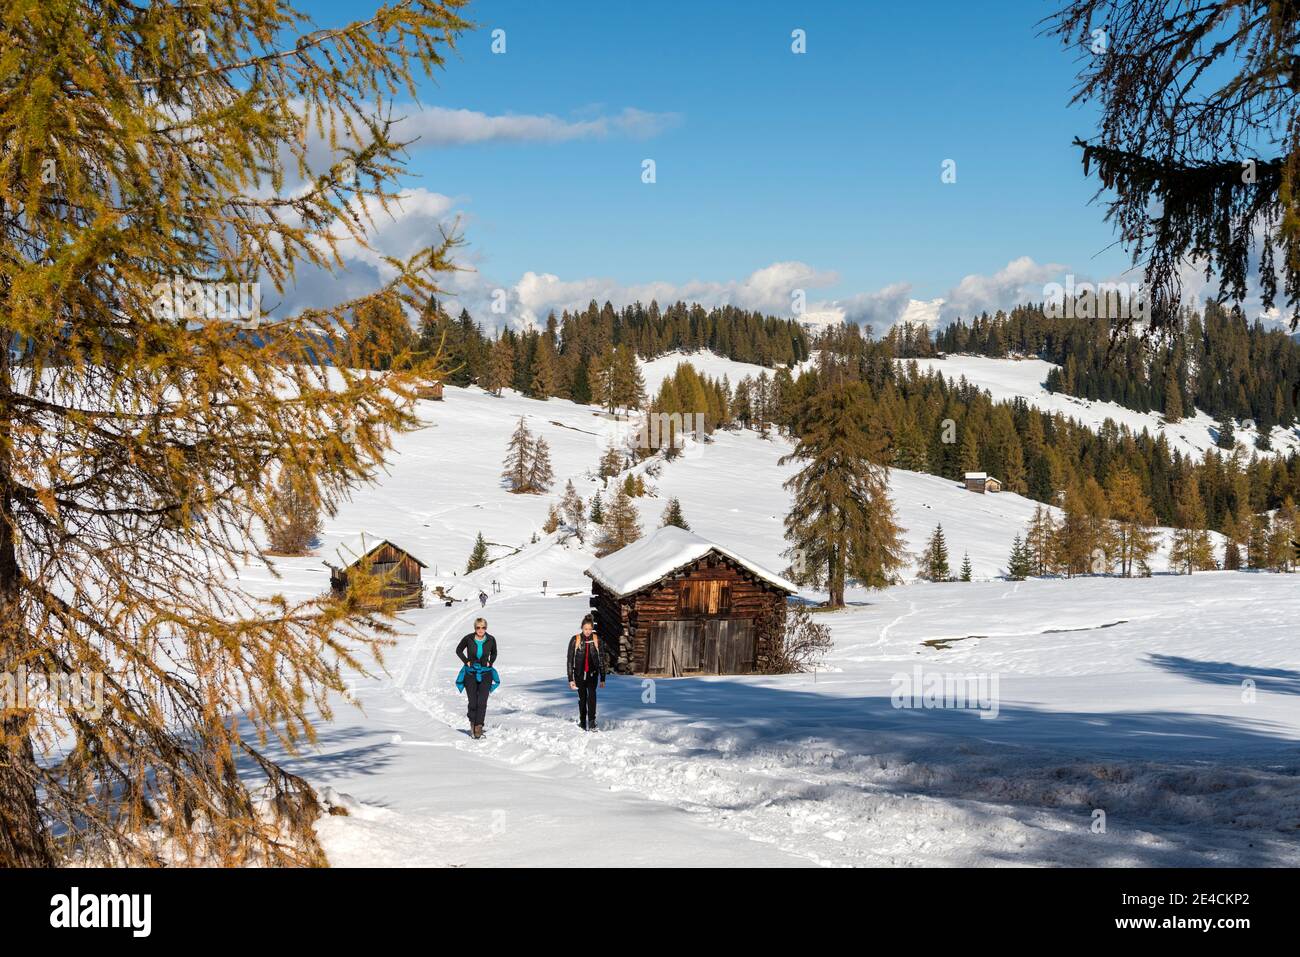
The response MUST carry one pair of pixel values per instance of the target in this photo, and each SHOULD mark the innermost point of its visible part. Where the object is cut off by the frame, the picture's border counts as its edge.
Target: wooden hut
(385, 559)
(982, 482)
(430, 390)
(675, 604)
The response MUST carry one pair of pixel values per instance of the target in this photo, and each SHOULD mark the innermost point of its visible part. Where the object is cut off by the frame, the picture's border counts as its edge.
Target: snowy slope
(1123, 695)
(1007, 379)
(705, 362)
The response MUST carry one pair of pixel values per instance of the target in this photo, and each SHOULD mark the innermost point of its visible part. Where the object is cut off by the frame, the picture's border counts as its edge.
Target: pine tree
(628, 385)
(1281, 553)
(969, 459)
(1227, 438)
(501, 366)
(296, 517)
(601, 380)
(379, 337)
(934, 559)
(597, 511)
(1071, 544)
(553, 519)
(1190, 550)
(612, 462)
(540, 475)
(546, 377)
(573, 508)
(142, 167)
(1231, 551)
(841, 520)
(910, 451)
(519, 458)
(1103, 539)
(1020, 564)
(673, 515)
(1258, 548)
(478, 557)
(1039, 539)
(1173, 400)
(965, 568)
(1135, 535)
(621, 526)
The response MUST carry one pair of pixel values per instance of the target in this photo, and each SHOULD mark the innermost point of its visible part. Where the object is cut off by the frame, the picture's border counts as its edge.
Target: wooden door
(729, 646)
(675, 647)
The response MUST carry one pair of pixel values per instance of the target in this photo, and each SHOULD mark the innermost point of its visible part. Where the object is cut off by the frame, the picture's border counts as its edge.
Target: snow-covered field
(705, 362)
(1168, 703)
(1007, 379)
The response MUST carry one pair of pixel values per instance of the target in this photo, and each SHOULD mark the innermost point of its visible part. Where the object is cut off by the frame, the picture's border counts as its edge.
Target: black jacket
(467, 650)
(576, 653)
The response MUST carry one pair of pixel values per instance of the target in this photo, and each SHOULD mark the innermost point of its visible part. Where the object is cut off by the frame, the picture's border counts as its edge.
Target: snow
(1007, 379)
(1168, 703)
(661, 553)
(706, 363)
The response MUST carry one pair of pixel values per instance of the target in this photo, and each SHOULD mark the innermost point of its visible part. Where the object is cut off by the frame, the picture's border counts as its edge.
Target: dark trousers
(587, 701)
(477, 692)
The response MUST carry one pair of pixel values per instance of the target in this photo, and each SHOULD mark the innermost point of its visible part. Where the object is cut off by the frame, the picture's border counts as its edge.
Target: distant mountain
(922, 312)
(816, 321)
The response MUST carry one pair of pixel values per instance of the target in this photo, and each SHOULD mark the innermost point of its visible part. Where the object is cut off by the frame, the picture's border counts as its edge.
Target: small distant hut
(430, 390)
(982, 482)
(385, 559)
(677, 604)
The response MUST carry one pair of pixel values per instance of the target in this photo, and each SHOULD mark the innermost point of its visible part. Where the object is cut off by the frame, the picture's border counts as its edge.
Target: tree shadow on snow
(340, 752)
(1279, 680)
(1182, 775)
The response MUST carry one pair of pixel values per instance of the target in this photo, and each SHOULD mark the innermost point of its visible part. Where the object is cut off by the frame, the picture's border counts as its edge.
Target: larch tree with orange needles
(158, 157)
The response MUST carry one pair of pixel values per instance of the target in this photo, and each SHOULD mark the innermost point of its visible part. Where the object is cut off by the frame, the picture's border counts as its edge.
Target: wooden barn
(430, 390)
(982, 482)
(677, 604)
(385, 558)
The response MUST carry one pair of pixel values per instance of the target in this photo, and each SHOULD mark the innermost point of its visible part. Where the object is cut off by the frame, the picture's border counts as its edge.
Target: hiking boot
(478, 730)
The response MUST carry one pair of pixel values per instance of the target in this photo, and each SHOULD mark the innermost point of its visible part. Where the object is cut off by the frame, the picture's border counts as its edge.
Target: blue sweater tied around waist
(478, 671)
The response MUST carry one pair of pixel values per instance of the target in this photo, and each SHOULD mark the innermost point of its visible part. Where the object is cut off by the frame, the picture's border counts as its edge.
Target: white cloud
(879, 309)
(414, 222)
(421, 215)
(526, 302)
(1019, 281)
(435, 126)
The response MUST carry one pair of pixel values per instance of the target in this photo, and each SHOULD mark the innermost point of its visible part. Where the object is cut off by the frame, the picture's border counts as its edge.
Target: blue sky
(825, 165)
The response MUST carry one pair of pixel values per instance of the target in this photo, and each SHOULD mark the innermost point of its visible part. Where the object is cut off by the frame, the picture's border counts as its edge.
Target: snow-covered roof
(661, 553)
(977, 475)
(357, 547)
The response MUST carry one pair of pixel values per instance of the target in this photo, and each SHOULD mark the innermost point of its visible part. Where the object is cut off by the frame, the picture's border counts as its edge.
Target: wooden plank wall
(407, 585)
(714, 589)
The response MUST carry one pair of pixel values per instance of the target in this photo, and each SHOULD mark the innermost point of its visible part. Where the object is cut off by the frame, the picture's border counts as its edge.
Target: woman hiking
(478, 678)
(586, 664)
